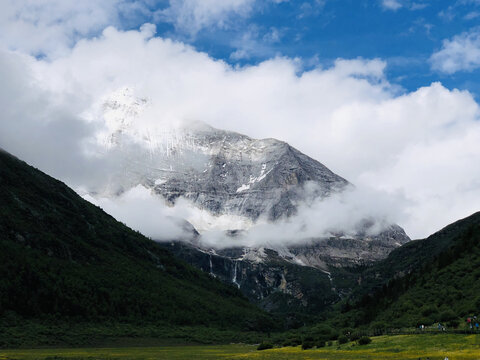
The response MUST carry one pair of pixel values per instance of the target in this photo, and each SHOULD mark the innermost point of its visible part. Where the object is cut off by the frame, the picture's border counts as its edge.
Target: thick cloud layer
(421, 147)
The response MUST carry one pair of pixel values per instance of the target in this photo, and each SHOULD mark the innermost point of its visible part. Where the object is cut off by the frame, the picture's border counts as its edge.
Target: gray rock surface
(247, 177)
(342, 251)
(265, 277)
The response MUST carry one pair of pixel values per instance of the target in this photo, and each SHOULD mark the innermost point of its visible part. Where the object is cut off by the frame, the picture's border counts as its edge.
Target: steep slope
(425, 281)
(64, 258)
(277, 284)
(300, 281)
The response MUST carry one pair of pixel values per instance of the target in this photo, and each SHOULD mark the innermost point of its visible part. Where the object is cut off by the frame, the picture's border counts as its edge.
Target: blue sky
(403, 33)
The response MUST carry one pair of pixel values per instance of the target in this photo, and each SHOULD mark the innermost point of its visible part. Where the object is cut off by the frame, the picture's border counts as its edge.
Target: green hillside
(423, 282)
(63, 259)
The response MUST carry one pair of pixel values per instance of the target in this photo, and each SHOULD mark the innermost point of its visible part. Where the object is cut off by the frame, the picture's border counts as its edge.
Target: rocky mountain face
(267, 278)
(247, 177)
(301, 279)
(241, 181)
(223, 172)
(349, 251)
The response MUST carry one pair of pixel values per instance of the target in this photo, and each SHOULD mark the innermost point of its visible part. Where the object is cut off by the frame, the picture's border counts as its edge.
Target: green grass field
(456, 347)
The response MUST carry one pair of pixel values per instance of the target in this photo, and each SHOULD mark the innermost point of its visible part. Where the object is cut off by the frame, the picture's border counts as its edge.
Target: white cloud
(420, 147)
(343, 213)
(418, 6)
(255, 42)
(191, 16)
(273, 36)
(461, 53)
(391, 4)
(394, 5)
(146, 213)
(51, 27)
(472, 15)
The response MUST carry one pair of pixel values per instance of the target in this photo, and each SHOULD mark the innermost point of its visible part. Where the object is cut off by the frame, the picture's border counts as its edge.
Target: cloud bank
(421, 147)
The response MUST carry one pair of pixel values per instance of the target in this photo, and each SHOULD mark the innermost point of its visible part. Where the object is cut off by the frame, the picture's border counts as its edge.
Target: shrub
(429, 310)
(264, 345)
(295, 341)
(453, 323)
(292, 342)
(342, 339)
(364, 340)
(329, 343)
(379, 327)
(287, 342)
(354, 337)
(322, 330)
(320, 343)
(447, 315)
(334, 335)
(477, 302)
(307, 344)
(347, 331)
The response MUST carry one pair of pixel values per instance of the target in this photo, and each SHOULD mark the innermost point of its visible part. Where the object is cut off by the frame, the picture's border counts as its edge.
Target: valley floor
(434, 347)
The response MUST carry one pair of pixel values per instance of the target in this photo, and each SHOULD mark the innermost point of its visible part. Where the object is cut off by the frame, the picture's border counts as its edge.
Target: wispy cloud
(395, 5)
(256, 42)
(392, 4)
(460, 53)
(191, 16)
(472, 15)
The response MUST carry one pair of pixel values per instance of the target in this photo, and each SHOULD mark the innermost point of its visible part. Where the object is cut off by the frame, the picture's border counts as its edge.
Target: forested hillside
(63, 259)
(423, 282)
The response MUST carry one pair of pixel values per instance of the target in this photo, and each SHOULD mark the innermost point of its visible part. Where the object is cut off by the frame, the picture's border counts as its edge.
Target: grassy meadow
(455, 346)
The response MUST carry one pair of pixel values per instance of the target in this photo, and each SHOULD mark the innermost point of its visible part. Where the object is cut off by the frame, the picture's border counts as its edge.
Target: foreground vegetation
(33, 335)
(458, 347)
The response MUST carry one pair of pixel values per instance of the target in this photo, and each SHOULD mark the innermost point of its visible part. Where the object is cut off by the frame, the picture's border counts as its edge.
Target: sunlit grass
(456, 347)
